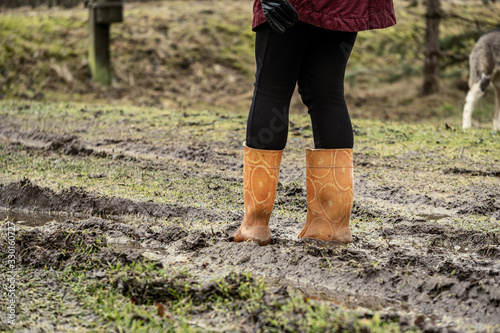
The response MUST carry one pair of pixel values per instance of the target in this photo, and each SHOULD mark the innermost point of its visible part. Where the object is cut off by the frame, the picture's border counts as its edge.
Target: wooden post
(101, 14)
(432, 48)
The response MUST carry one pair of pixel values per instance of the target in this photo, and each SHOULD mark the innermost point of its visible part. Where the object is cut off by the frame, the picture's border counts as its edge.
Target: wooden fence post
(101, 14)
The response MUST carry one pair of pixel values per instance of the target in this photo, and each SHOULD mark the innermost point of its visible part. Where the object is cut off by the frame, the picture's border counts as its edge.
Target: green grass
(118, 178)
(396, 53)
(395, 138)
(100, 121)
(160, 126)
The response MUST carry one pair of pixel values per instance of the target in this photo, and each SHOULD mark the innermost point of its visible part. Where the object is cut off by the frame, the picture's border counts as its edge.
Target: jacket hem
(371, 22)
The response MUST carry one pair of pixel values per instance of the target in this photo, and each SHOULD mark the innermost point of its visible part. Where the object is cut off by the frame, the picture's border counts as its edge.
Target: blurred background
(199, 53)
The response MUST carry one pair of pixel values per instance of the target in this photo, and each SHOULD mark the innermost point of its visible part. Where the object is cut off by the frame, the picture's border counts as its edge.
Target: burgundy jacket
(340, 15)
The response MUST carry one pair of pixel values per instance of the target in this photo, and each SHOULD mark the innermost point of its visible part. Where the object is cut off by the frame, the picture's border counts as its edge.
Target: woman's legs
(317, 59)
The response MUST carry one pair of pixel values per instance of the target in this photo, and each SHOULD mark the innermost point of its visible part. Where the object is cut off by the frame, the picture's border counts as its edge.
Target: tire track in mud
(26, 195)
(353, 278)
(37, 139)
(464, 171)
(476, 200)
(73, 145)
(434, 275)
(468, 200)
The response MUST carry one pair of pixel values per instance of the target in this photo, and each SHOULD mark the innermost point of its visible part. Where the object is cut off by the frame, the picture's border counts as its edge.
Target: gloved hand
(279, 14)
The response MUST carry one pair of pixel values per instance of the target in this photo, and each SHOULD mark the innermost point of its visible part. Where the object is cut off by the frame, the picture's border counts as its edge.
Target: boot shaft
(329, 177)
(329, 174)
(260, 175)
(260, 180)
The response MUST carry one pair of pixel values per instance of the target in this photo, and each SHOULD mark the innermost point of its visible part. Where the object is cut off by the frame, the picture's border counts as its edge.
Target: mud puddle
(30, 219)
(433, 217)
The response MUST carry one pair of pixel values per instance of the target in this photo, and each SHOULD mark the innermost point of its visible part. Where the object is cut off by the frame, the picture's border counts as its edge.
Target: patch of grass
(45, 302)
(150, 125)
(70, 300)
(158, 53)
(440, 143)
(57, 39)
(119, 178)
(396, 53)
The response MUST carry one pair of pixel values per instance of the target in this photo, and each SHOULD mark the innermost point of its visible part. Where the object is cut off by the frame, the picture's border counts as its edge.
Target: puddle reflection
(31, 219)
(433, 217)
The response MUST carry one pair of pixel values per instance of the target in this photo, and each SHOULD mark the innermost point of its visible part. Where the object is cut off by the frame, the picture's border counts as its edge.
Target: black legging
(315, 58)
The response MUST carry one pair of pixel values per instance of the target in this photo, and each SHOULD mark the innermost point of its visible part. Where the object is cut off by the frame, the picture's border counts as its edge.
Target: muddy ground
(426, 250)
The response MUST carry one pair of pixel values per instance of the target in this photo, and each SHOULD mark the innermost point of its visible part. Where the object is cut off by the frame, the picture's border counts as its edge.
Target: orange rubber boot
(329, 196)
(260, 178)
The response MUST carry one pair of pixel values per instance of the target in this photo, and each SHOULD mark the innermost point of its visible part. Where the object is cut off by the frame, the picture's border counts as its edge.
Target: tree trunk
(431, 64)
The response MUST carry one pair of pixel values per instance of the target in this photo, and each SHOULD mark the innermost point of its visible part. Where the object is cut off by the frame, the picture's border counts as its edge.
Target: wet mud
(37, 139)
(26, 195)
(415, 257)
(436, 277)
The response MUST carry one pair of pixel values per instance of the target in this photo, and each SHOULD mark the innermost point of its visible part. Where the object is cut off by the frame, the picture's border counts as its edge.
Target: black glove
(279, 14)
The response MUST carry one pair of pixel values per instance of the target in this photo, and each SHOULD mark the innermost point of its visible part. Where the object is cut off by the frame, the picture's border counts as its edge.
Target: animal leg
(474, 94)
